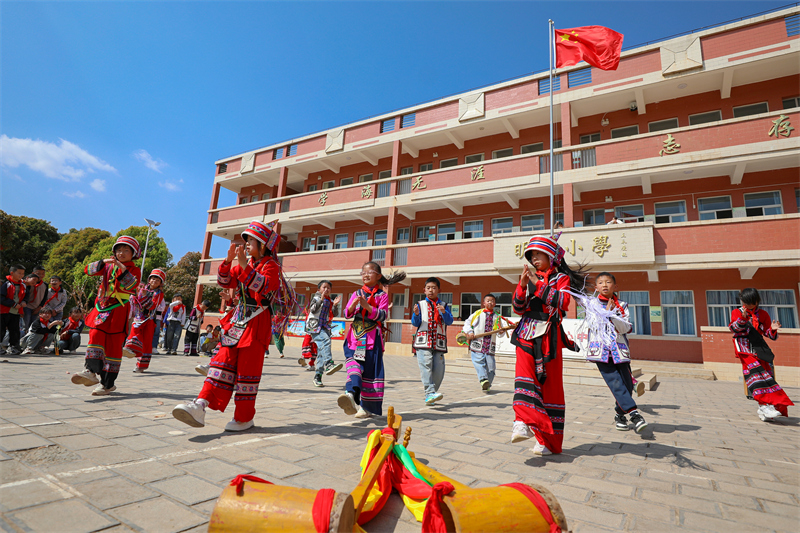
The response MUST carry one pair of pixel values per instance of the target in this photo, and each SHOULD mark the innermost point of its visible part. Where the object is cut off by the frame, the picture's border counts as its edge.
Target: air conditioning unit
(515, 229)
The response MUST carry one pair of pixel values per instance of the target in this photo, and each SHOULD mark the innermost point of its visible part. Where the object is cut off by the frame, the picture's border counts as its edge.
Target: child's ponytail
(397, 277)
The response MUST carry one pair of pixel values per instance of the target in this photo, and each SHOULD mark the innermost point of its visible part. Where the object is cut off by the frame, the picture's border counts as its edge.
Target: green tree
(72, 249)
(25, 241)
(182, 278)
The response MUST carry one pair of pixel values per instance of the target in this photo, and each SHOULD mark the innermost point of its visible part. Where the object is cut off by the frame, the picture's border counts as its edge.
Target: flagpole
(551, 53)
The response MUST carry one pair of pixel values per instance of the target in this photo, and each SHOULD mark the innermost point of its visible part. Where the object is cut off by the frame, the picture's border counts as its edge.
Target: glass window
(638, 309)
(590, 138)
(627, 131)
(630, 213)
(446, 232)
(404, 186)
(470, 302)
(383, 174)
(223, 168)
(425, 167)
(408, 120)
(789, 103)
(312, 188)
(720, 305)
(387, 125)
(340, 241)
(532, 223)
(505, 152)
(254, 198)
(594, 217)
(473, 229)
(301, 301)
(444, 163)
(752, 109)
(243, 200)
(661, 125)
(502, 225)
(797, 199)
(365, 178)
(423, 234)
(265, 196)
(329, 184)
(560, 218)
(308, 244)
(346, 181)
(403, 235)
(579, 77)
(323, 241)
(292, 150)
(667, 212)
(406, 171)
(337, 309)
(763, 203)
(529, 148)
(474, 158)
(677, 313)
(781, 306)
(361, 239)
(380, 237)
(715, 208)
(277, 153)
(703, 118)
(503, 303)
(384, 189)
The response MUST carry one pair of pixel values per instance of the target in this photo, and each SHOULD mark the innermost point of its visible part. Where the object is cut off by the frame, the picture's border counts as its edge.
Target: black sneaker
(318, 380)
(332, 368)
(621, 423)
(638, 422)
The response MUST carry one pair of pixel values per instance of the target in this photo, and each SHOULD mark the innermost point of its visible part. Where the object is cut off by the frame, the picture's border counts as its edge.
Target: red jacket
(8, 291)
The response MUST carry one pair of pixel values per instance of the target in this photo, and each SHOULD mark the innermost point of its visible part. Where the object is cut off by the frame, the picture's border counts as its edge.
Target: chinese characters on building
(323, 198)
(624, 246)
(671, 146)
(418, 185)
(366, 192)
(601, 245)
(780, 126)
(477, 173)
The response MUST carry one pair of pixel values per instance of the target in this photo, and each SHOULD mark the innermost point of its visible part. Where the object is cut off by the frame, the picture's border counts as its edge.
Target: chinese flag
(599, 46)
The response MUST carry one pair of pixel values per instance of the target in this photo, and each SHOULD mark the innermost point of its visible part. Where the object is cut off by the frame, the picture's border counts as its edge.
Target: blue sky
(116, 111)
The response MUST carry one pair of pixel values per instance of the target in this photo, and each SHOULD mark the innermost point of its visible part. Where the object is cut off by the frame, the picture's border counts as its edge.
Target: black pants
(71, 344)
(10, 322)
(107, 379)
(619, 379)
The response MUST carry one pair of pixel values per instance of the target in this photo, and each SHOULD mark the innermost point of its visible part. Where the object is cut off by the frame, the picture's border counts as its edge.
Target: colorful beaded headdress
(263, 233)
(546, 245)
(128, 241)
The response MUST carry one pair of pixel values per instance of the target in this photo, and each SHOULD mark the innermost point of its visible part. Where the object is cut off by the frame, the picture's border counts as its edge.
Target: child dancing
(431, 318)
(318, 325)
(750, 325)
(193, 324)
(145, 304)
(482, 349)
(363, 344)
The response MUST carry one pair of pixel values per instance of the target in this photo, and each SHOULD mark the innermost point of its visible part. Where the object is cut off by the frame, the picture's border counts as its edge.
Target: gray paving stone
(114, 492)
(57, 430)
(25, 441)
(82, 442)
(140, 442)
(214, 470)
(147, 472)
(159, 515)
(108, 455)
(29, 494)
(189, 489)
(69, 516)
(275, 467)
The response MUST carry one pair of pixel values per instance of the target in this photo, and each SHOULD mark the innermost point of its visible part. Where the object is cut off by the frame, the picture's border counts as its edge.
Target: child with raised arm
(145, 305)
(318, 325)
(482, 349)
(431, 318)
(108, 320)
(750, 325)
(363, 344)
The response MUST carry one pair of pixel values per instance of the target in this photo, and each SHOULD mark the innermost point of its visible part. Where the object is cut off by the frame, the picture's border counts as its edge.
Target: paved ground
(74, 462)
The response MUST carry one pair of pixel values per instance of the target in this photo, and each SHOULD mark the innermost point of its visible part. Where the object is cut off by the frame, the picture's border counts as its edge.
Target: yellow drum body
(264, 507)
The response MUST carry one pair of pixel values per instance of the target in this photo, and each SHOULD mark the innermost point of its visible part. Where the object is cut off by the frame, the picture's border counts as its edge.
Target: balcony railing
(584, 158)
(544, 163)
(379, 257)
(400, 257)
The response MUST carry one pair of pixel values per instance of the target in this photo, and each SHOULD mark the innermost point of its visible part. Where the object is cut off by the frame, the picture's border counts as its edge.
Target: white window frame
(779, 204)
(474, 158)
(403, 240)
(528, 148)
(590, 138)
(313, 187)
(620, 209)
(637, 328)
(659, 123)
(428, 237)
(504, 219)
(347, 181)
(243, 200)
(254, 198)
(496, 152)
(469, 307)
(684, 214)
(717, 111)
(336, 245)
(793, 102)
(522, 223)
(405, 171)
(265, 196)
(726, 307)
(425, 167)
(377, 237)
(330, 184)
(323, 245)
(700, 212)
(440, 233)
(361, 243)
(594, 212)
(774, 316)
(383, 174)
(505, 309)
(750, 105)
(472, 222)
(308, 244)
(448, 161)
(679, 307)
(613, 136)
(364, 178)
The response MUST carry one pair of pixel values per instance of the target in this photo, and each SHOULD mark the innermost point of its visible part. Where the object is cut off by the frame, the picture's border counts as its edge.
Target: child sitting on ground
(70, 337)
(41, 333)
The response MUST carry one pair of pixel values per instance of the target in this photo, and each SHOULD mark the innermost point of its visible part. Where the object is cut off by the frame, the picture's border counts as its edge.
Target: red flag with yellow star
(599, 46)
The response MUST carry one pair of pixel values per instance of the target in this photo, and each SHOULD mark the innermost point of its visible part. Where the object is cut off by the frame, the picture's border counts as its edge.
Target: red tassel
(432, 519)
(537, 500)
(321, 510)
(239, 482)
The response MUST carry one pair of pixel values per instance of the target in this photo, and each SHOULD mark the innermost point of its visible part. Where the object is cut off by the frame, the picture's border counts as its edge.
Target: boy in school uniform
(318, 325)
(175, 318)
(481, 350)
(431, 318)
(70, 337)
(41, 333)
(12, 295)
(56, 298)
(34, 296)
(193, 324)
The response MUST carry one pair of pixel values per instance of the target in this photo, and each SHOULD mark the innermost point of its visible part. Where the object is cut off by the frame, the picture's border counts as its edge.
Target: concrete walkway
(74, 462)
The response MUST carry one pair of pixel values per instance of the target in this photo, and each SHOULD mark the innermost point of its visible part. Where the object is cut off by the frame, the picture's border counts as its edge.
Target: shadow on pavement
(649, 450)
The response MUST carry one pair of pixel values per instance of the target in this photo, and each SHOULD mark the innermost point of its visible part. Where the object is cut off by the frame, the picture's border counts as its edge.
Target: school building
(679, 172)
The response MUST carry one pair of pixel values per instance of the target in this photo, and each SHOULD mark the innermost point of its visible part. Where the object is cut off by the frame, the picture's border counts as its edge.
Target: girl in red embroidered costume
(108, 320)
(247, 330)
(542, 301)
(750, 325)
(145, 304)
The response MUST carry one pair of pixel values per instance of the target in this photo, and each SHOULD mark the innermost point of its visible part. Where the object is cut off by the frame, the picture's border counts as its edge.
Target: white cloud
(149, 162)
(98, 185)
(76, 194)
(65, 160)
(170, 185)
(15, 177)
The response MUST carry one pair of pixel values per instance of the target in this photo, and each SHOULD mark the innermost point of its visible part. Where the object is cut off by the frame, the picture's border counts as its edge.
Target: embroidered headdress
(263, 233)
(128, 241)
(546, 245)
(158, 273)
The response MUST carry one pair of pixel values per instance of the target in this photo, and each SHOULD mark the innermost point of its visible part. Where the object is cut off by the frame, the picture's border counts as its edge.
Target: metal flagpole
(551, 46)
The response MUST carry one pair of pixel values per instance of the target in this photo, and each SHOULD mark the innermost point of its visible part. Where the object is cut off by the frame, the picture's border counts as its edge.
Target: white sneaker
(520, 432)
(102, 391)
(362, 413)
(202, 369)
(541, 449)
(27, 351)
(128, 353)
(302, 361)
(771, 412)
(233, 425)
(86, 377)
(348, 403)
(138, 370)
(190, 413)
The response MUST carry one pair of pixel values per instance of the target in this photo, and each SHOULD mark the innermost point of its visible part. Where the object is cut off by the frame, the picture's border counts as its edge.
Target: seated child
(41, 333)
(204, 336)
(70, 337)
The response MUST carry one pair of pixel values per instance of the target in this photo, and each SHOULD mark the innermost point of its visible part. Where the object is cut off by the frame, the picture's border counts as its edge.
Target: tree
(25, 241)
(72, 249)
(182, 278)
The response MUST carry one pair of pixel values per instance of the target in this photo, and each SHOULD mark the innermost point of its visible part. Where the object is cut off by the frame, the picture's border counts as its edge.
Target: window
(594, 217)
(308, 244)
(337, 309)
(720, 305)
(404, 186)
(423, 234)
(425, 167)
(403, 235)
(265, 196)
(292, 150)
(781, 306)
(365, 178)
(661, 125)
(627, 131)
(715, 208)
(677, 312)
(792, 23)
(243, 200)
(473, 229)
(529, 148)
(380, 237)
(254, 198)
(470, 302)
(361, 239)
(405, 171)
(630, 213)
(591, 138)
(383, 174)
(579, 77)
(272, 207)
(387, 125)
(667, 212)
(758, 204)
(532, 223)
(505, 152)
(789, 103)
(206, 269)
(444, 163)
(703, 118)
(560, 218)
(445, 297)
(751, 109)
(408, 120)
(384, 189)
(502, 225)
(346, 181)
(340, 241)
(544, 85)
(503, 304)
(277, 153)
(446, 232)
(301, 301)
(313, 187)
(323, 242)
(329, 184)
(222, 169)
(638, 309)
(475, 158)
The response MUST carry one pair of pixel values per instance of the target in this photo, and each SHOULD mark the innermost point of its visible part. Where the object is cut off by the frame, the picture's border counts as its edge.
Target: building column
(205, 253)
(569, 206)
(283, 180)
(566, 133)
(391, 234)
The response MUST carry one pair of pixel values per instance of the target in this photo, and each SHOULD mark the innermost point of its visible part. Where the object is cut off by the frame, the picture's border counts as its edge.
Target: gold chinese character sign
(477, 173)
(780, 126)
(418, 185)
(323, 198)
(671, 146)
(601, 245)
(366, 192)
